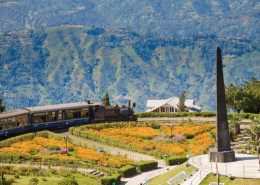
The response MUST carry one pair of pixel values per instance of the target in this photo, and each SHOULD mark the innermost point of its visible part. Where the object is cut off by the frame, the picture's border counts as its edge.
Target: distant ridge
(183, 18)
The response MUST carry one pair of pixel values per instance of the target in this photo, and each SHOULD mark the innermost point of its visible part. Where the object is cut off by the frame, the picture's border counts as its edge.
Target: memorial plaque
(176, 177)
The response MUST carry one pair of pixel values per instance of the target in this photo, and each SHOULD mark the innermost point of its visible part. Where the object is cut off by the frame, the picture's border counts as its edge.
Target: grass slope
(51, 180)
(227, 181)
(162, 179)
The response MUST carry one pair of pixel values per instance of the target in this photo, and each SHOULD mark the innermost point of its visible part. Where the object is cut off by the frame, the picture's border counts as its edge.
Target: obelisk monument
(222, 153)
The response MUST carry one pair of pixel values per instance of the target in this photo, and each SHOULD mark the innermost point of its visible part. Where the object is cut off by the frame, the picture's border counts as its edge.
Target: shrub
(143, 166)
(176, 160)
(53, 147)
(127, 171)
(108, 180)
(68, 181)
(16, 176)
(33, 181)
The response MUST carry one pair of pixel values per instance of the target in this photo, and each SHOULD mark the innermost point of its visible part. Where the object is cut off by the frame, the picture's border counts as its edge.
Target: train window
(12, 122)
(84, 113)
(73, 114)
(22, 120)
(50, 116)
(39, 118)
(3, 124)
(69, 114)
(60, 117)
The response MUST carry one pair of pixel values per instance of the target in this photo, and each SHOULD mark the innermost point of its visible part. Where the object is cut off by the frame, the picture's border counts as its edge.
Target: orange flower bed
(173, 148)
(36, 145)
(141, 138)
(143, 132)
(186, 130)
(202, 143)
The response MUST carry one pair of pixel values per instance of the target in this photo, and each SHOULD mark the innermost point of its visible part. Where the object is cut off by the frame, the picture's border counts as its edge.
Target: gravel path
(113, 150)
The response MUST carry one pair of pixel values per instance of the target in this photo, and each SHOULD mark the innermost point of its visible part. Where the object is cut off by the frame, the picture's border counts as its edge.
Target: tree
(246, 97)
(234, 97)
(181, 104)
(2, 107)
(105, 99)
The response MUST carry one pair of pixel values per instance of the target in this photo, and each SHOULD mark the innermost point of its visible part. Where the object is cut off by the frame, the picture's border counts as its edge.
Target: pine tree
(2, 107)
(181, 104)
(105, 99)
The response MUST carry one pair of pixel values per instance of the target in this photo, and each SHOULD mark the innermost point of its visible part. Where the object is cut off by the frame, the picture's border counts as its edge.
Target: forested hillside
(224, 18)
(69, 64)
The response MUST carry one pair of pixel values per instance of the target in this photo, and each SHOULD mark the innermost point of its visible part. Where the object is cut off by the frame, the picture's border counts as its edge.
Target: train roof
(66, 106)
(13, 113)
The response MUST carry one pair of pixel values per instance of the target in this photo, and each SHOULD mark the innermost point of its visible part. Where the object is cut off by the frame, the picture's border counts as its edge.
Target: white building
(170, 105)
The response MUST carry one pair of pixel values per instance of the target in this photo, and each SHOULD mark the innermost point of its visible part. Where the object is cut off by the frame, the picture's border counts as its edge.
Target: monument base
(221, 156)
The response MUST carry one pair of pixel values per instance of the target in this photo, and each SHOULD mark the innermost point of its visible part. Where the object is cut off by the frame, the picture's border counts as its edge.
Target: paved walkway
(245, 166)
(114, 151)
(145, 176)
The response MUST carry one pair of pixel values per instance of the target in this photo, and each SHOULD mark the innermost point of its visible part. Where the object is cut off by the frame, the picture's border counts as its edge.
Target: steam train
(33, 119)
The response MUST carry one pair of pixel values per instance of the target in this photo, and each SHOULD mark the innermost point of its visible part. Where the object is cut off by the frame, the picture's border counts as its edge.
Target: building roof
(66, 106)
(173, 101)
(13, 113)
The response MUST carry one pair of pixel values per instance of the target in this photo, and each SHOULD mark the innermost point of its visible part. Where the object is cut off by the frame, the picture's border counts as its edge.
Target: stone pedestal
(221, 156)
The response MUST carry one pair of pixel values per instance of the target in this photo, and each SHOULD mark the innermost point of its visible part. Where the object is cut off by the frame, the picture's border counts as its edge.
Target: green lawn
(52, 180)
(226, 181)
(162, 179)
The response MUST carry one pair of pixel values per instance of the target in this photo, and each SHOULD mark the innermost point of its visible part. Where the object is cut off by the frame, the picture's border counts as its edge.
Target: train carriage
(13, 122)
(59, 116)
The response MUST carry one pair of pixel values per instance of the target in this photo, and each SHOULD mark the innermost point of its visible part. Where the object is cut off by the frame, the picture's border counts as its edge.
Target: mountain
(73, 63)
(184, 18)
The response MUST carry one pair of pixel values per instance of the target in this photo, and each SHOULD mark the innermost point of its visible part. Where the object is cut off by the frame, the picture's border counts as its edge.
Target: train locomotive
(33, 119)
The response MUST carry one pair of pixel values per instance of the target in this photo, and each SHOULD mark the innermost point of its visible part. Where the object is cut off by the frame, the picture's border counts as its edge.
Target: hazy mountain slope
(224, 18)
(69, 64)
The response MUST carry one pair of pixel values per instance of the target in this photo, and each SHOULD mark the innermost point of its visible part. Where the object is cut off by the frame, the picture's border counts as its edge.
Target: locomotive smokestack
(88, 101)
(134, 104)
(129, 103)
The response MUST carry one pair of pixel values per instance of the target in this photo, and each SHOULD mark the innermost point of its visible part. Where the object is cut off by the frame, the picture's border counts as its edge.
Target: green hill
(224, 18)
(69, 64)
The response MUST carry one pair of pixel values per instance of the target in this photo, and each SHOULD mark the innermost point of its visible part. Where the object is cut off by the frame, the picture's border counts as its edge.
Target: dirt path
(113, 150)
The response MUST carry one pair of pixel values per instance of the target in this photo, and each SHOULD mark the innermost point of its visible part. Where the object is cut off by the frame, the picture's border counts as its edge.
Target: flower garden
(51, 148)
(47, 146)
(151, 138)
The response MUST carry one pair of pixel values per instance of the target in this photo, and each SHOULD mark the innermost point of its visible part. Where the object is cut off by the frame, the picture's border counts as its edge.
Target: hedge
(127, 171)
(176, 160)
(108, 180)
(144, 166)
(178, 114)
(193, 114)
